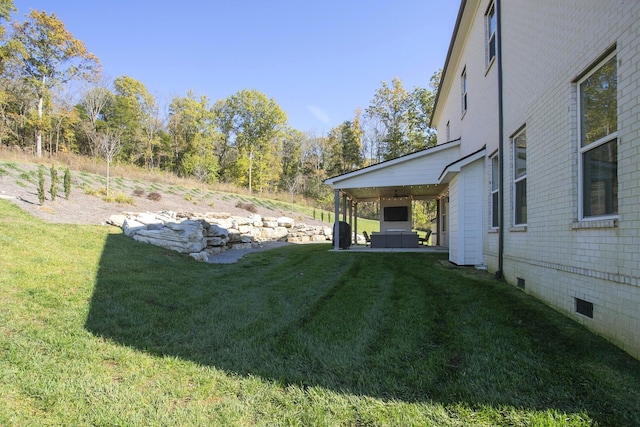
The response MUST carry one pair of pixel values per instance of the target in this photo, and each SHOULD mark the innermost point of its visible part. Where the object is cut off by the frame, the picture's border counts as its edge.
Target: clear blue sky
(319, 60)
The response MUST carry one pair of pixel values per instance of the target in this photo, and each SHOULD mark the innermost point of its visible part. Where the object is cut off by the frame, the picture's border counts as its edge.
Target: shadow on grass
(390, 326)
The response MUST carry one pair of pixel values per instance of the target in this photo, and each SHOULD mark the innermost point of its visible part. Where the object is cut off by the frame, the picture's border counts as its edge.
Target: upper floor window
(598, 116)
(463, 83)
(520, 178)
(490, 25)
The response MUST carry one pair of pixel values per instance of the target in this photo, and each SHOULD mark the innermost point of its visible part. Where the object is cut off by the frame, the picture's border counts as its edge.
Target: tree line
(244, 139)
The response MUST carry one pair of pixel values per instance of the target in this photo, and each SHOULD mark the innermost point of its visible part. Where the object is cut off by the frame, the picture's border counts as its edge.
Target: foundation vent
(584, 307)
(520, 282)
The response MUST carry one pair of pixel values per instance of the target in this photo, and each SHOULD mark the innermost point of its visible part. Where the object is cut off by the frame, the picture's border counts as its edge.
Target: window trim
(612, 137)
(463, 89)
(518, 179)
(490, 37)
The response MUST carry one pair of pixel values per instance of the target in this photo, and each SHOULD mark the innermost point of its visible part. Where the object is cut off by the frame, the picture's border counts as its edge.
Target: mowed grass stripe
(97, 329)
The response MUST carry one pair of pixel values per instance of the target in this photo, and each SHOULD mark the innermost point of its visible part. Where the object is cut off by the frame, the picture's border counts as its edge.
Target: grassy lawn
(97, 329)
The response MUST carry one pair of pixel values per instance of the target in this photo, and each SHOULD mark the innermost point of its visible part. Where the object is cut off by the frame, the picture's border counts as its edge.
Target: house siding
(559, 257)
(546, 46)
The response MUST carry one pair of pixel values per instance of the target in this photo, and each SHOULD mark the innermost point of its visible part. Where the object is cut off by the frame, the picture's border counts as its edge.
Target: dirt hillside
(19, 184)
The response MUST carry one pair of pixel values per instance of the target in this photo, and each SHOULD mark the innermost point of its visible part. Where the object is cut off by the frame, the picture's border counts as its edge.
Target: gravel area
(233, 255)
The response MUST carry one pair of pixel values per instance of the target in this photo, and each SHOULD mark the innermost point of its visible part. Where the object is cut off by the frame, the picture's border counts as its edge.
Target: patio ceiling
(415, 192)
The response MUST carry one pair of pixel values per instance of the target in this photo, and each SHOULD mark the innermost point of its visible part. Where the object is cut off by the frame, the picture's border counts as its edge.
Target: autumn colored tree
(6, 7)
(49, 55)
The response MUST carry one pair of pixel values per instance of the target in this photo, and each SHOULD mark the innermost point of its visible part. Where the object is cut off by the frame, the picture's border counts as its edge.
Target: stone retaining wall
(201, 235)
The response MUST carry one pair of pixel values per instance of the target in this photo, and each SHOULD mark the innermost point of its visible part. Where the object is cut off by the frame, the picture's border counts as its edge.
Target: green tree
(398, 120)
(192, 130)
(346, 148)
(49, 55)
(135, 116)
(251, 125)
(389, 108)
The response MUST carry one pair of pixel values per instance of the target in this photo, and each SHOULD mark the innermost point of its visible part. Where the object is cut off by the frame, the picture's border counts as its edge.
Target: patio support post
(344, 208)
(351, 220)
(336, 224)
(438, 211)
(355, 223)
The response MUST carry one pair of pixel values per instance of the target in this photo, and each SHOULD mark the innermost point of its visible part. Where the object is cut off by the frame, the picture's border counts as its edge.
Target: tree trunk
(39, 128)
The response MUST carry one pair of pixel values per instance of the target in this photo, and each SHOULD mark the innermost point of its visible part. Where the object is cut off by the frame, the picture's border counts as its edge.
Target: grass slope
(97, 329)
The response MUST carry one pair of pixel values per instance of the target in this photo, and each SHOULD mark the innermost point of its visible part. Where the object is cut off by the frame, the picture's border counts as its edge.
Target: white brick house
(538, 119)
(551, 89)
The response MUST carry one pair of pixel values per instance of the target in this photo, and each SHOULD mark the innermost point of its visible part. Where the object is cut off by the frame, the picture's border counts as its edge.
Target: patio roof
(416, 175)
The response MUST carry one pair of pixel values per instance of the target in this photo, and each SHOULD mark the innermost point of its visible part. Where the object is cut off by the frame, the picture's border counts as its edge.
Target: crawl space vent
(584, 307)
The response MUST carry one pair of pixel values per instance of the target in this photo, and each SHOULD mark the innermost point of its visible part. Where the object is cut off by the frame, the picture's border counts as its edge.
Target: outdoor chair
(367, 239)
(425, 240)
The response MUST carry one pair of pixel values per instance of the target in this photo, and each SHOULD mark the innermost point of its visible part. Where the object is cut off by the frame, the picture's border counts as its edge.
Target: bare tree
(109, 145)
(201, 172)
(94, 101)
(293, 184)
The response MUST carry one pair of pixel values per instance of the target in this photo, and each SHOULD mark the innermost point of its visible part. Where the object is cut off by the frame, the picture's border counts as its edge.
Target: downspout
(499, 274)
(336, 216)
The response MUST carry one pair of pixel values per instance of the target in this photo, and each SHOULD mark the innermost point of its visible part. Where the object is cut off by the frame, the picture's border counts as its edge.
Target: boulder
(117, 220)
(286, 222)
(200, 256)
(130, 227)
(184, 237)
(270, 222)
(149, 219)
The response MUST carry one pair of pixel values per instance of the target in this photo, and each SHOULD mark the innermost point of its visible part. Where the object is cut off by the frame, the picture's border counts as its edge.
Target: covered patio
(394, 184)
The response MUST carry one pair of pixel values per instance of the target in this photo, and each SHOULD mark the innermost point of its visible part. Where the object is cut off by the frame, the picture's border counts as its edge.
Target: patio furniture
(425, 240)
(394, 239)
(367, 239)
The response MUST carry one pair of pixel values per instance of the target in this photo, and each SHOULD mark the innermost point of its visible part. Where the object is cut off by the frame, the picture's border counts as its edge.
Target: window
(463, 81)
(495, 191)
(448, 133)
(490, 25)
(520, 178)
(598, 116)
(444, 205)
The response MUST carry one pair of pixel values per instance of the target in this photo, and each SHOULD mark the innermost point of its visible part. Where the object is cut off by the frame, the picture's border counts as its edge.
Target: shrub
(25, 176)
(88, 190)
(119, 198)
(155, 196)
(67, 183)
(41, 185)
(247, 206)
(53, 190)
(123, 198)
